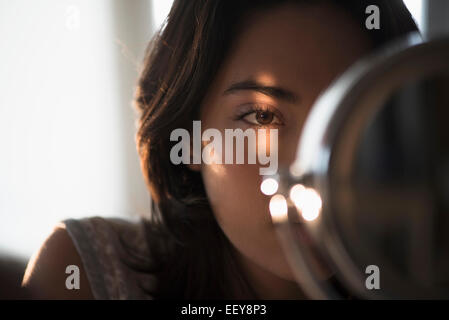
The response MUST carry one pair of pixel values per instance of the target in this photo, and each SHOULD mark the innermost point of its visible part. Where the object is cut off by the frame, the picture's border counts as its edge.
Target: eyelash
(254, 108)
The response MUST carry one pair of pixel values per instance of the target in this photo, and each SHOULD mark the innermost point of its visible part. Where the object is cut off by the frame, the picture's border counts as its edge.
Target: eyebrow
(272, 91)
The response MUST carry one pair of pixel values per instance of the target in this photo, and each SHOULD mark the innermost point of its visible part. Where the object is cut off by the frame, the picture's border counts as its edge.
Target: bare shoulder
(50, 270)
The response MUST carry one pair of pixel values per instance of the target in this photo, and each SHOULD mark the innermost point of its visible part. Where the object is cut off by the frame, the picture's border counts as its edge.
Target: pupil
(264, 117)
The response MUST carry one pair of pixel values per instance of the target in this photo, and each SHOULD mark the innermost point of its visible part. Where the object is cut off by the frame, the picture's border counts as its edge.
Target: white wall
(67, 75)
(161, 8)
(416, 8)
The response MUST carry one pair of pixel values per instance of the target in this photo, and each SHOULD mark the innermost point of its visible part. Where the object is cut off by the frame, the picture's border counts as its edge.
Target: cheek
(242, 212)
(239, 207)
(234, 194)
(233, 190)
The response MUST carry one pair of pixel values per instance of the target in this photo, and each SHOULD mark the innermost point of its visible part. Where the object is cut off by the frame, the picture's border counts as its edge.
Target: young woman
(230, 64)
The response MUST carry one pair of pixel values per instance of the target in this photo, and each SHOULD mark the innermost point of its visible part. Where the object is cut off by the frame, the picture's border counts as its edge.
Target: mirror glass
(392, 209)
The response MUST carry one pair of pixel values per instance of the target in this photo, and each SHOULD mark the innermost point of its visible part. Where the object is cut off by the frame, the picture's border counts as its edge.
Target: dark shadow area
(11, 274)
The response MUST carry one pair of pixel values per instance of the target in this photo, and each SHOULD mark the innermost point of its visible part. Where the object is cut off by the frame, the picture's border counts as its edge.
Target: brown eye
(264, 117)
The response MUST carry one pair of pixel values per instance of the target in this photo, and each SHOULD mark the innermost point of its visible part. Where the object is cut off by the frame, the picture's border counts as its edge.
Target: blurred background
(68, 70)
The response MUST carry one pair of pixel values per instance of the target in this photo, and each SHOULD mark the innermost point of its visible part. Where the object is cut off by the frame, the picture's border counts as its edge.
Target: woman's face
(298, 49)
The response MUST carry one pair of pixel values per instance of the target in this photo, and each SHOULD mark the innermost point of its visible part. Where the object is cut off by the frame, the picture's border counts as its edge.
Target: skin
(322, 42)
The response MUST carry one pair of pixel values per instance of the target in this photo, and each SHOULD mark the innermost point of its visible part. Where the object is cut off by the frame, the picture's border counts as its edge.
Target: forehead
(291, 44)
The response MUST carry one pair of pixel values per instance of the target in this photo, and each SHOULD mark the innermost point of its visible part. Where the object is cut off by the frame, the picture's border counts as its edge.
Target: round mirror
(368, 195)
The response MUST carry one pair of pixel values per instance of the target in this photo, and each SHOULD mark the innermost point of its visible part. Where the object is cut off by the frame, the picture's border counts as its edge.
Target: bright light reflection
(269, 186)
(307, 201)
(278, 208)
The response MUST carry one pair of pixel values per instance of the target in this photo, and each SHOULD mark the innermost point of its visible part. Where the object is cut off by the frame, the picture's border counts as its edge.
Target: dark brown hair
(193, 257)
